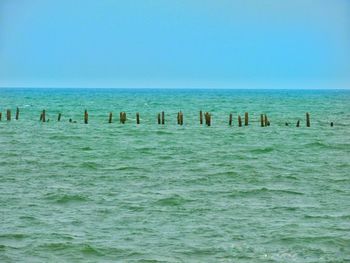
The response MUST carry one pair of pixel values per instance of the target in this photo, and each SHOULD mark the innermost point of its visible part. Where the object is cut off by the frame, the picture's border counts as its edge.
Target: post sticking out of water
(266, 121)
(43, 117)
(246, 119)
(137, 118)
(0, 115)
(86, 117)
(230, 120)
(158, 118)
(262, 120)
(180, 118)
(8, 115)
(59, 117)
(163, 118)
(307, 119)
(200, 117)
(17, 113)
(239, 121)
(122, 117)
(207, 119)
(110, 117)
(298, 123)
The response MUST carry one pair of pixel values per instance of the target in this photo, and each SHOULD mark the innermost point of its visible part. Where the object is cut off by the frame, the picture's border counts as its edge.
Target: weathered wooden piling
(181, 118)
(246, 119)
(86, 117)
(307, 119)
(266, 121)
(298, 123)
(8, 115)
(200, 117)
(230, 120)
(239, 121)
(43, 116)
(123, 117)
(17, 114)
(59, 117)
(0, 116)
(137, 118)
(110, 117)
(262, 120)
(158, 117)
(163, 118)
(207, 116)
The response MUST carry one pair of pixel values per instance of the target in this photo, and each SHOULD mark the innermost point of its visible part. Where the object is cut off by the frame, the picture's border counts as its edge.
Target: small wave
(63, 199)
(262, 150)
(263, 191)
(174, 200)
(89, 165)
(13, 236)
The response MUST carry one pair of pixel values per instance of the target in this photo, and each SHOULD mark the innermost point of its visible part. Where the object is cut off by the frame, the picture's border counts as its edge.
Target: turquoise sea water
(101, 192)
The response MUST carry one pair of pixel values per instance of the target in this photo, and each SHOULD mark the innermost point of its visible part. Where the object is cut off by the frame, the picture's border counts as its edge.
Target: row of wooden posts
(264, 121)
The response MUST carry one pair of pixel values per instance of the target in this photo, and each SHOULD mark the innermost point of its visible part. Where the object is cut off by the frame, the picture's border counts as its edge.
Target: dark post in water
(307, 119)
(43, 117)
(8, 115)
(230, 120)
(86, 117)
(0, 115)
(262, 120)
(298, 123)
(158, 118)
(59, 117)
(239, 121)
(17, 113)
(110, 117)
(163, 118)
(246, 119)
(200, 117)
(137, 118)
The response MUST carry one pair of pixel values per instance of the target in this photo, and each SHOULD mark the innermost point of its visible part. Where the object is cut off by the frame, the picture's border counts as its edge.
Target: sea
(113, 192)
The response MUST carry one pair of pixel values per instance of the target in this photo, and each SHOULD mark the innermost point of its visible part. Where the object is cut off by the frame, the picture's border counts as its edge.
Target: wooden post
(110, 117)
(178, 118)
(43, 116)
(246, 119)
(137, 118)
(230, 120)
(163, 118)
(307, 119)
(239, 121)
(298, 123)
(59, 117)
(332, 124)
(262, 120)
(0, 115)
(181, 118)
(17, 113)
(207, 119)
(122, 117)
(158, 118)
(8, 115)
(86, 117)
(200, 117)
(266, 121)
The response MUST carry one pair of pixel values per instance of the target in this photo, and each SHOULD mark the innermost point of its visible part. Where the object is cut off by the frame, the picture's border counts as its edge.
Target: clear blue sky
(180, 43)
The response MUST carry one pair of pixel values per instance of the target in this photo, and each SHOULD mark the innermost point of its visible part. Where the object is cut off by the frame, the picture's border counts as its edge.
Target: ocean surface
(100, 192)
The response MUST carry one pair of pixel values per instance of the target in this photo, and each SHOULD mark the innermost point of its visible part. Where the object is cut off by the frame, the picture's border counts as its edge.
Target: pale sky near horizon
(183, 43)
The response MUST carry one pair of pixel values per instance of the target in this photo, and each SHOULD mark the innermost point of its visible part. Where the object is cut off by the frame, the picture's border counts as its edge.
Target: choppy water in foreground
(111, 192)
